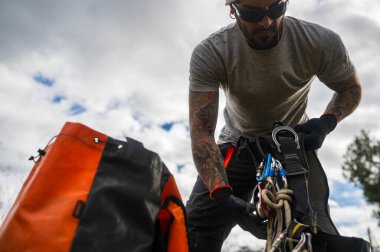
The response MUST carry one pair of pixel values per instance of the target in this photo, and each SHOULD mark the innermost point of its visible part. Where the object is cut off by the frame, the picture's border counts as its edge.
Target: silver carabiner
(284, 128)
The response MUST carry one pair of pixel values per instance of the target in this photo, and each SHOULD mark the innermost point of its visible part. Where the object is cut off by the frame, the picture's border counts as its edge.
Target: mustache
(264, 29)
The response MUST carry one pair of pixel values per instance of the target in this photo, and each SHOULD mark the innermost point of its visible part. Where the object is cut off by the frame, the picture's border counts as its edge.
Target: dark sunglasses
(256, 14)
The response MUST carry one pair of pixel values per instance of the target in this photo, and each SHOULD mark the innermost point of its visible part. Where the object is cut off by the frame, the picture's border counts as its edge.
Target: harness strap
(289, 156)
(292, 157)
(229, 153)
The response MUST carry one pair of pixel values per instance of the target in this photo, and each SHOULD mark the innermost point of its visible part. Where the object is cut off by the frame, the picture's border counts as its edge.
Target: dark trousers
(208, 226)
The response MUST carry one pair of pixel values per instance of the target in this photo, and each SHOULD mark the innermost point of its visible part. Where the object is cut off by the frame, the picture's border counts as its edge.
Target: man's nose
(266, 21)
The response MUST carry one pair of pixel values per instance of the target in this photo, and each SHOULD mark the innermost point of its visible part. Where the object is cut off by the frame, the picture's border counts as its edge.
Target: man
(265, 62)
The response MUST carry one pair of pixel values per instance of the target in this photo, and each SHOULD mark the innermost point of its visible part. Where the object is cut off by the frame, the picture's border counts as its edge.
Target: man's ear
(232, 10)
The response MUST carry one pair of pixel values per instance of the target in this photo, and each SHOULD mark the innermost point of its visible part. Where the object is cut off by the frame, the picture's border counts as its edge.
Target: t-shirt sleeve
(204, 69)
(335, 64)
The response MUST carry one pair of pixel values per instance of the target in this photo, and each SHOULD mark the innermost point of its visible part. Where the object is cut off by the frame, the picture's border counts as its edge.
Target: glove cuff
(329, 122)
(221, 192)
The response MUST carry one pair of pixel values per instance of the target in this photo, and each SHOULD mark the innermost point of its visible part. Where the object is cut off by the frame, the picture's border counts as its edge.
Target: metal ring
(284, 128)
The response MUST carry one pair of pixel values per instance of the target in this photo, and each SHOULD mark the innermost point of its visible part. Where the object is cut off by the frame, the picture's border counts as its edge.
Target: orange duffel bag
(89, 192)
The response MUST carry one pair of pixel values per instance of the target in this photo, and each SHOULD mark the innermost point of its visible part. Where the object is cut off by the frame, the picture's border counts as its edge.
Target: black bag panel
(123, 202)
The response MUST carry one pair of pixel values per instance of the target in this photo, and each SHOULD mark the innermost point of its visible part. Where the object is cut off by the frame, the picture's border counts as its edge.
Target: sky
(121, 67)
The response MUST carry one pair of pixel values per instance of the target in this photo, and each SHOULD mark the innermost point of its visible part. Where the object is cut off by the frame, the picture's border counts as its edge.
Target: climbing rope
(274, 204)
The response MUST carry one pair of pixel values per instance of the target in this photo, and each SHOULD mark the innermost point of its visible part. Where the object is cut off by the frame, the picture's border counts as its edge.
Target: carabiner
(260, 169)
(268, 165)
(282, 173)
(284, 128)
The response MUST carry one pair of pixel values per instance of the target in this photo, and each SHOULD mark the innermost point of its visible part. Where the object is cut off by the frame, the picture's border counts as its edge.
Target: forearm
(346, 98)
(209, 162)
(207, 157)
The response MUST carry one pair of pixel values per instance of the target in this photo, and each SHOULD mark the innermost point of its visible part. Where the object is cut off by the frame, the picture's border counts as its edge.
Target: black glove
(316, 130)
(240, 211)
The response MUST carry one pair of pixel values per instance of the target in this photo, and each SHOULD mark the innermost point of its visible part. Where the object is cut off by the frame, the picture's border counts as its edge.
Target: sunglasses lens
(255, 15)
(277, 10)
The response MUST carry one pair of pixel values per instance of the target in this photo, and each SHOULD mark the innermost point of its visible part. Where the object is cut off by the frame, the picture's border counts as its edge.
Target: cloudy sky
(121, 67)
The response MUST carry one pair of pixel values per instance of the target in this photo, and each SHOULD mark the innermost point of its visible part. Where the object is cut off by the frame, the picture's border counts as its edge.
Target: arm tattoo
(206, 154)
(346, 98)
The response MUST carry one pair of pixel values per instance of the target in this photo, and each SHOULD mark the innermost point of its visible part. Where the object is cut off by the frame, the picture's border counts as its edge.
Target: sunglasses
(256, 14)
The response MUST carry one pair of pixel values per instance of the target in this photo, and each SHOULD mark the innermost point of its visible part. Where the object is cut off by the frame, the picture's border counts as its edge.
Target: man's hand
(316, 130)
(240, 211)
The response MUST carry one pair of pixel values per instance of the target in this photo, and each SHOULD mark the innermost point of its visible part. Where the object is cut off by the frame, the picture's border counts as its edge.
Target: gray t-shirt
(267, 86)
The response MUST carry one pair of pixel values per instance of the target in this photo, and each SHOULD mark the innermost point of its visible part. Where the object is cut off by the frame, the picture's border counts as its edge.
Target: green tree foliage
(362, 166)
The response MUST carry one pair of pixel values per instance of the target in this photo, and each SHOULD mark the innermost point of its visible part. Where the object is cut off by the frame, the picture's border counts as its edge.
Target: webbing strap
(229, 153)
(290, 156)
(294, 161)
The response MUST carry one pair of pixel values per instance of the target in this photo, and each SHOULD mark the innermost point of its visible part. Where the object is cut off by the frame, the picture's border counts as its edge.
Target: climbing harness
(274, 203)
(285, 199)
(273, 195)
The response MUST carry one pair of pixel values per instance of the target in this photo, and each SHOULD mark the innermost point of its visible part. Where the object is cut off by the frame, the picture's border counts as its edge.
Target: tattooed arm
(346, 98)
(207, 157)
(209, 163)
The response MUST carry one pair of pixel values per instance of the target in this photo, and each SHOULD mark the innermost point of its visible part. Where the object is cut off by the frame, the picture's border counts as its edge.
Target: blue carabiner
(282, 173)
(272, 168)
(267, 169)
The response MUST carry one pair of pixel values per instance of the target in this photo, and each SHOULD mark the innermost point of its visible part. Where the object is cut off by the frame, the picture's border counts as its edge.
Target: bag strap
(176, 231)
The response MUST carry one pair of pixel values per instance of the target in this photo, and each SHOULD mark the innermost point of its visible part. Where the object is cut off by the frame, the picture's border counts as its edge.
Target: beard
(261, 38)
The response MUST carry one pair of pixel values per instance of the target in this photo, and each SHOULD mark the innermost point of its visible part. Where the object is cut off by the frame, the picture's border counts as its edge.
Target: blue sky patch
(77, 109)
(346, 194)
(167, 126)
(180, 167)
(41, 79)
(58, 98)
